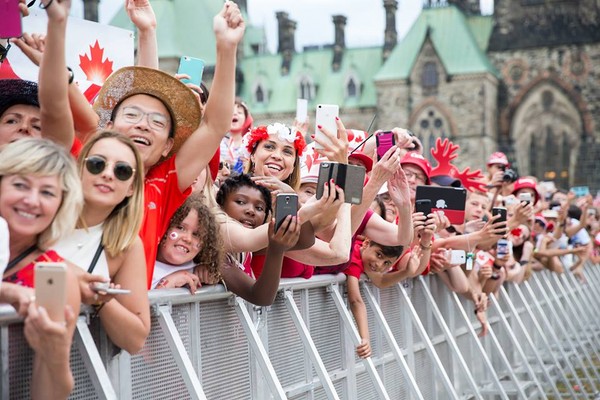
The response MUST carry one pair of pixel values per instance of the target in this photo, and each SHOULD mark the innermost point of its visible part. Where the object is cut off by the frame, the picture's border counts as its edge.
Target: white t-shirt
(80, 246)
(4, 249)
(161, 270)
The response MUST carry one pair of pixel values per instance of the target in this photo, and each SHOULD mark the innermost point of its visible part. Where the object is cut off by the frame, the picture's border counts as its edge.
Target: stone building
(525, 80)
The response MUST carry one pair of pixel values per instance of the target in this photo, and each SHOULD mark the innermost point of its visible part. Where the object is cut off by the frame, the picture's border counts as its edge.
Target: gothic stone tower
(548, 55)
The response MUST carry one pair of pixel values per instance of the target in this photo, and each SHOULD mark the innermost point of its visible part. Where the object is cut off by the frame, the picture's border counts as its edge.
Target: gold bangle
(425, 247)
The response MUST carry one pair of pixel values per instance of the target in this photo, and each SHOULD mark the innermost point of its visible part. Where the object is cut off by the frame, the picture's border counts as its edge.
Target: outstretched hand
(32, 46)
(229, 25)
(57, 10)
(286, 236)
(335, 148)
(399, 189)
(386, 167)
(140, 12)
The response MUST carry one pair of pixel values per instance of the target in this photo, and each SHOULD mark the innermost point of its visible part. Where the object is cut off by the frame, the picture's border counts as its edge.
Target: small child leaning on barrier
(376, 258)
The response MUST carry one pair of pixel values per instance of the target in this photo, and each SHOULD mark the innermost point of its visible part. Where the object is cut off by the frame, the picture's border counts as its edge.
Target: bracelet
(425, 247)
(43, 7)
(71, 73)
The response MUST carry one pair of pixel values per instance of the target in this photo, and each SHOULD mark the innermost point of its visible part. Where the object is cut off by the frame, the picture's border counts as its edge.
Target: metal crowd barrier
(543, 342)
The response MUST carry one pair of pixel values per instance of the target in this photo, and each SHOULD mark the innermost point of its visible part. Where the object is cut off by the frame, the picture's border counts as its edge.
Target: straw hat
(17, 91)
(176, 96)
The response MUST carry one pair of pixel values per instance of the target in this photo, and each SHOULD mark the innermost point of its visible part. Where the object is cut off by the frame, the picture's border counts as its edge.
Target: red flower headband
(260, 133)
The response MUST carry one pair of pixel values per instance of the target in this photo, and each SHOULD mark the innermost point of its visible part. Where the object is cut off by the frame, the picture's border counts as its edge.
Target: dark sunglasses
(97, 164)
(224, 164)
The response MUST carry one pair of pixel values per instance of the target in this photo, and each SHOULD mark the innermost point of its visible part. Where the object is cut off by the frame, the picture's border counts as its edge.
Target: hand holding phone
(104, 288)
(51, 288)
(502, 212)
(525, 198)
(424, 206)
(456, 257)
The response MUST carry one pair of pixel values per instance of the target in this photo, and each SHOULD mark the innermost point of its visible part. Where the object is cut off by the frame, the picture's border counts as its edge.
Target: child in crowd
(376, 258)
(192, 239)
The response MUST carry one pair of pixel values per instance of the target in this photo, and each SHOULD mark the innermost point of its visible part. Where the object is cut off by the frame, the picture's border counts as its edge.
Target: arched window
(259, 94)
(429, 79)
(307, 89)
(352, 88)
(429, 125)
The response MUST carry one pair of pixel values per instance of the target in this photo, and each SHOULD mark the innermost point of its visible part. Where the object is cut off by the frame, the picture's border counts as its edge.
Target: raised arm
(56, 118)
(142, 15)
(200, 147)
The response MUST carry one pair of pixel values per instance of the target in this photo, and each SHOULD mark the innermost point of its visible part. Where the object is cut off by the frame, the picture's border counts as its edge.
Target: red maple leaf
(95, 69)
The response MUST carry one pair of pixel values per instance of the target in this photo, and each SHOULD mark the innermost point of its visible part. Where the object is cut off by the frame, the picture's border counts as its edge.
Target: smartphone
(193, 67)
(350, 178)
(103, 287)
(591, 211)
(525, 198)
(456, 257)
(301, 110)
(580, 191)
(499, 211)
(10, 15)
(502, 248)
(424, 206)
(51, 288)
(385, 140)
(285, 204)
(325, 117)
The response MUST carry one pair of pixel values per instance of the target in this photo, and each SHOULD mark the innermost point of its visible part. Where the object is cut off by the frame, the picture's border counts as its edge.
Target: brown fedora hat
(176, 96)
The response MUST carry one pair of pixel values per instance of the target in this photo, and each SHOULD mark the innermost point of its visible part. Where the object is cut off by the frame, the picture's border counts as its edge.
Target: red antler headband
(444, 152)
(260, 133)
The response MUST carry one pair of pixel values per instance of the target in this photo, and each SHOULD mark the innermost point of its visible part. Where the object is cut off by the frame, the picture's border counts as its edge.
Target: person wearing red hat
(526, 185)
(361, 159)
(417, 170)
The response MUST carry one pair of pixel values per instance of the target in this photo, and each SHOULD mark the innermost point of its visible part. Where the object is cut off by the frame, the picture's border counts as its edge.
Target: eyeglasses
(156, 121)
(418, 177)
(224, 165)
(96, 164)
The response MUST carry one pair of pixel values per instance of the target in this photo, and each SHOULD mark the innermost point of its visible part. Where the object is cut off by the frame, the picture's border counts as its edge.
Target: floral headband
(284, 133)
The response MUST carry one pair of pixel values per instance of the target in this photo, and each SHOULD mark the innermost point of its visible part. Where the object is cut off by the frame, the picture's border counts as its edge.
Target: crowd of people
(163, 185)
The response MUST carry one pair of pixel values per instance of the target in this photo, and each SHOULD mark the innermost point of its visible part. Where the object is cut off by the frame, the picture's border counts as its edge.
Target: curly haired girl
(192, 240)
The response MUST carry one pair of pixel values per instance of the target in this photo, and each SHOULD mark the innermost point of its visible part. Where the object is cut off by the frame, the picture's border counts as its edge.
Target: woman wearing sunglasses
(106, 242)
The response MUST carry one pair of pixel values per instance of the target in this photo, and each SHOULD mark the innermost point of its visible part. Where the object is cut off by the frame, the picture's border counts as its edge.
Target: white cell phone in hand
(326, 118)
(301, 110)
(51, 288)
(456, 257)
(104, 287)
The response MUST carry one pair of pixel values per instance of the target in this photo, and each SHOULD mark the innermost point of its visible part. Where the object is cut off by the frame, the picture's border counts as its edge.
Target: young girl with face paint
(192, 239)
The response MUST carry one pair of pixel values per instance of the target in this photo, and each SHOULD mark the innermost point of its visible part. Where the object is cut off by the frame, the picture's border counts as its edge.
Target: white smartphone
(325, 117)
(456, 257)
(103, 287)
(51, 288)
(301, 110)
(525, 198)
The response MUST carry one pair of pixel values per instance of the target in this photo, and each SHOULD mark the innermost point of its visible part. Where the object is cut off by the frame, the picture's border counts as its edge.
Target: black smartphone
(424, 206)
(285, 204)
(385, 140)
(350, 178)
(499, 211)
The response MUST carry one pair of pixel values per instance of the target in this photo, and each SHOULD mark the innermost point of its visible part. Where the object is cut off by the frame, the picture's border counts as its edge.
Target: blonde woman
(106, 242)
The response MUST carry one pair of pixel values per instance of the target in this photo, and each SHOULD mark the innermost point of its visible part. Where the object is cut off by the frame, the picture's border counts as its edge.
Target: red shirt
(355, 265)
(25, 276)
(162, 198)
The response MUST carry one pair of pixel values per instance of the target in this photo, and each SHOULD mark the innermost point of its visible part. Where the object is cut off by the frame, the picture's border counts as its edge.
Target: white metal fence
(543, 343)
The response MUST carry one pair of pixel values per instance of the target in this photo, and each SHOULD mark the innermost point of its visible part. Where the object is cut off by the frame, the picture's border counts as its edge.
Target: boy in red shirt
(373, 257)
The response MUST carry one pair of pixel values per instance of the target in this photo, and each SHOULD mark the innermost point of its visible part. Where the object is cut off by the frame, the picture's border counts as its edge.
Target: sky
(364, 27)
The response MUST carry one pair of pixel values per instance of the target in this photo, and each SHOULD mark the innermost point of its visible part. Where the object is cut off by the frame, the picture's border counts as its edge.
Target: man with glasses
(164, 119)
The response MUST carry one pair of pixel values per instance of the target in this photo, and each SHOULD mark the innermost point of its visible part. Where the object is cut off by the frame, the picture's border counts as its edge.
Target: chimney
(391, 36)
(469, 7)
(339, 45)
(286, 47)
(90, 10)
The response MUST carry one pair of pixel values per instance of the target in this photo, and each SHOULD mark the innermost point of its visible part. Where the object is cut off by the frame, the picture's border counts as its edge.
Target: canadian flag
(93, 52)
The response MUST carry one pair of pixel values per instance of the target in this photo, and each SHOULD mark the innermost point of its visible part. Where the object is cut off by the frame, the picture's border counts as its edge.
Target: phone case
(501, 211)
(423, 206)
(325, 117)
(351, 178)
(285, 204)
(449, 200)
(457, 257)
(325, 174)
(385, 140)
(194, 67)
(10, 15)
(50, 288)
